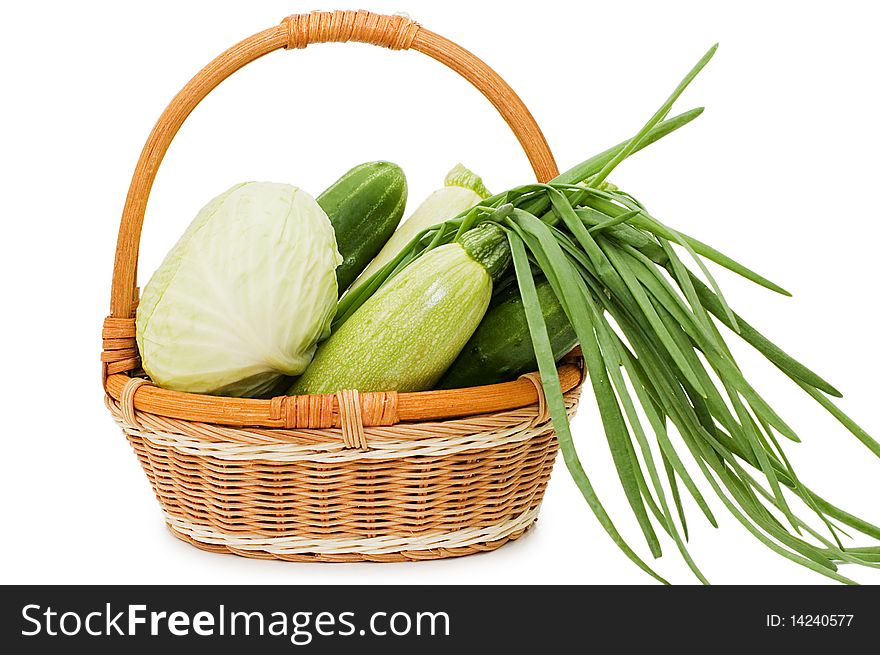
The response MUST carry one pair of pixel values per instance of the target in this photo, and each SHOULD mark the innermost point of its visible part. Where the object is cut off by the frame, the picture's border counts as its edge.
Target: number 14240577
(809, 620)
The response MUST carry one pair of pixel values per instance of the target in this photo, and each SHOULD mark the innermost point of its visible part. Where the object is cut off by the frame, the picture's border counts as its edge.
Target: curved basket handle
(297, 31)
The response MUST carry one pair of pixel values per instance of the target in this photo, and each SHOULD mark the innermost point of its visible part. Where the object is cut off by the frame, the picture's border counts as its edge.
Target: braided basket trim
(364, 546)
(402, 440)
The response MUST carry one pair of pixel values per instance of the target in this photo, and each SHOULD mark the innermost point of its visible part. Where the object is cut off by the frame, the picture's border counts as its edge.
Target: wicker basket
(338, 477)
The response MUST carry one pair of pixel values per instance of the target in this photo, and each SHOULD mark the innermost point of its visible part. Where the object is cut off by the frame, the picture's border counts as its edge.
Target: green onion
(649, 330)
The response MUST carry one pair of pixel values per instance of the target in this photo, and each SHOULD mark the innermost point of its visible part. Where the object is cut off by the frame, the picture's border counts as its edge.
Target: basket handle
(298, 31)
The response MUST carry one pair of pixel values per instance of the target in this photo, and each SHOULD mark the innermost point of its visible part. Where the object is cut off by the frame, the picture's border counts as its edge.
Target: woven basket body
(346, 476)
(421, 490)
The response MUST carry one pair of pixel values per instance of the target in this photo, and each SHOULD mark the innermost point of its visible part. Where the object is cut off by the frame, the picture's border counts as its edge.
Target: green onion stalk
(658, 364)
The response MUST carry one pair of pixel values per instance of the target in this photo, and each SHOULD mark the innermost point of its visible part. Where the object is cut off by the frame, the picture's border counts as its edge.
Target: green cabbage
(244, 296)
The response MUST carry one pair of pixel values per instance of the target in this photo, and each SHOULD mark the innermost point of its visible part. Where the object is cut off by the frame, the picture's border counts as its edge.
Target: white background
(780, 172)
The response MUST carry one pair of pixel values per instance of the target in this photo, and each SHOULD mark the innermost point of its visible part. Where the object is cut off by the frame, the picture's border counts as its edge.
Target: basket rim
(417, 406)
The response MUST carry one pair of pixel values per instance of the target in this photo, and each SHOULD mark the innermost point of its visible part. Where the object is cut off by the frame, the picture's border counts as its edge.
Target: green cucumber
(364, 206)
(501, 348)
(408, 333)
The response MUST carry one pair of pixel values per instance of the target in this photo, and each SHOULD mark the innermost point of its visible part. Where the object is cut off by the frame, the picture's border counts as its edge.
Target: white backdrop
(779, 172)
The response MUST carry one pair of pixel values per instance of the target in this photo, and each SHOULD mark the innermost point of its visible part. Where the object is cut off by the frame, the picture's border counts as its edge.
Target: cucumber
(364, 206)
(462, 190)
(501, 348)
(408, 333)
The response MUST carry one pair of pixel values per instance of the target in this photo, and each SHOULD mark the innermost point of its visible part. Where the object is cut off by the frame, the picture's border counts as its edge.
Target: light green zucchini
(409, 332)
(463, 189)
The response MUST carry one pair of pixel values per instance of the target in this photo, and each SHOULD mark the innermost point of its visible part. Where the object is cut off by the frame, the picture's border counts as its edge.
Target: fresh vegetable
(407, 334)
(463, 189)
(364, 205)
(462, 177)
(537, 204)
(501, 348)
(244, 296)
(658, 363)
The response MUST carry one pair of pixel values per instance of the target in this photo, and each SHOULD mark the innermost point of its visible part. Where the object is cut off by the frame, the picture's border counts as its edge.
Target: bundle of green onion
(646, 322)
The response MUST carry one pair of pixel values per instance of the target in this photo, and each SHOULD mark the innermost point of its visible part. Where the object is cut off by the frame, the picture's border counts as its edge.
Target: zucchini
(408, 333)
(501, 348)
(364, 206)
(462, 190)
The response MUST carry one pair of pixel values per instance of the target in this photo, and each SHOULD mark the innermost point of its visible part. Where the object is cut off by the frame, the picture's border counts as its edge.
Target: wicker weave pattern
(281, 546)
(440, 487)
